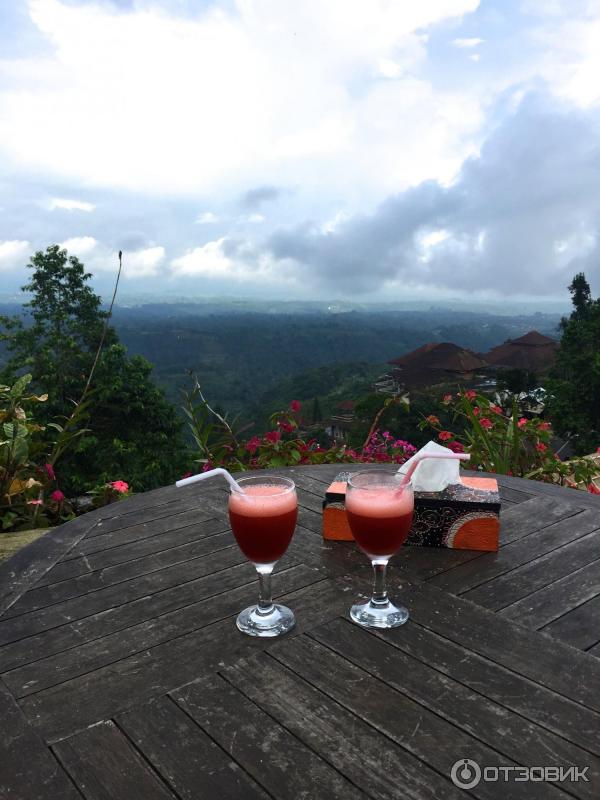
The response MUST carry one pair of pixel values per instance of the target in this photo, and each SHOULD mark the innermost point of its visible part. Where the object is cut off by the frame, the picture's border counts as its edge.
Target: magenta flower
(273, 436)
(252, 445)
(50, 471)
(295, 405)
(120, 486)
(486, 423)
(57, 496)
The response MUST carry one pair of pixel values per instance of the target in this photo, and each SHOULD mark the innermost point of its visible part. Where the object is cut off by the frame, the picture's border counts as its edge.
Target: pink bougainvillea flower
(593, 489)
(35, 502)
(521, 422)
(119, 486)
(541, 447)
(486, 423)
(273, 436)
(50, 471)
(445, 436)
(295, 405)
(252, 445)
(456, 447)
(470, 395)
(208, 465)
(57, 496)
(447, 399)
(186, 475)
(495, 409)
(432, 419)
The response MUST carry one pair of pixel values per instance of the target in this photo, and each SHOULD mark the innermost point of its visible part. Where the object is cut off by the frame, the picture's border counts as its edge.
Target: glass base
(275, 623)
(386, 615)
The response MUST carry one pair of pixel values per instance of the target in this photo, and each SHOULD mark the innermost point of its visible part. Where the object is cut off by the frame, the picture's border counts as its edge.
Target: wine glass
(380, 510)
(263, 519)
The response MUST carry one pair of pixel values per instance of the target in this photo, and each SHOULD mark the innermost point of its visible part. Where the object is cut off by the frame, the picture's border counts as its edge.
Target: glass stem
(265, 595)
(380, 597)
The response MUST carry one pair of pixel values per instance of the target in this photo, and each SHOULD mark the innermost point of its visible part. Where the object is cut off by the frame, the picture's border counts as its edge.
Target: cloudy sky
(373, 149)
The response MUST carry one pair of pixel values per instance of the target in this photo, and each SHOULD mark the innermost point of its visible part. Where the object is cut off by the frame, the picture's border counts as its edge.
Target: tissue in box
(463, 516)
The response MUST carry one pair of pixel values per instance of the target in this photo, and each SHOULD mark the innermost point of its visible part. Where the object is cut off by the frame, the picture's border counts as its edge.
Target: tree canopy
(132, 431)
(575, 380)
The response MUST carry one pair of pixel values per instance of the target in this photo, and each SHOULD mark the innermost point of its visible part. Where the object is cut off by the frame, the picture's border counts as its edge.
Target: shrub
(501, 441)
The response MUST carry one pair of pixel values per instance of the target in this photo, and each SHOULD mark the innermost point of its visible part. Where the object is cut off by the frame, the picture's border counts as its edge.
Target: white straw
(209, 474)
(406, 476)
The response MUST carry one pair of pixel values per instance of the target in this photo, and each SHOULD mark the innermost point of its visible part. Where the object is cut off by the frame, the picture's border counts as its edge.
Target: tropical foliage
(500, 440)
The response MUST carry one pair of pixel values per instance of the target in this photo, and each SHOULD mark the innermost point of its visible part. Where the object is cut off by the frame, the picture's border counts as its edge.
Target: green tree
(132, 432)
(58, 337)
(574, 384)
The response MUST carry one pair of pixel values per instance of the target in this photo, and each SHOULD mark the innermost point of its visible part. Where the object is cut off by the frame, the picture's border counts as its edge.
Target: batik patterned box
(464, 516)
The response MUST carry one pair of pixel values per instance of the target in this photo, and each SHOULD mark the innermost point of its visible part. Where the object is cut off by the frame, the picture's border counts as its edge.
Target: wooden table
(123, 675)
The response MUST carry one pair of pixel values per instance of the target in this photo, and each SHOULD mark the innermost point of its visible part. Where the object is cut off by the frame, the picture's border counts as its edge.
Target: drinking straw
(209, 474)
(418, 458)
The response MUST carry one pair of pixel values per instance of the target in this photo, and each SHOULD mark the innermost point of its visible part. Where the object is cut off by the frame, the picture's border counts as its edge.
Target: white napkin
(433, 474)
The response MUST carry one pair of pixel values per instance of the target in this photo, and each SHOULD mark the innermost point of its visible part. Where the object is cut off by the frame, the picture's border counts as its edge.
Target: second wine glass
(380, 511)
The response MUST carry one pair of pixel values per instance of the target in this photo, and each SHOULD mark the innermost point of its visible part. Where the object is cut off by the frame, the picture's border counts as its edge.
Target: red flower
(252, 445)
(186, 475)
(295, 405)
(544, 426)
(286, 427)
(447, 399)
(495, 409)
(593, 489)
(273, 436)
(470, 395)
(521, 422)
(486, 423)
(456, 447)
(541, 447)
(120, 486)
(431, 419)
(50, 471)
(476, 411)
(445, 436)
(57, 496)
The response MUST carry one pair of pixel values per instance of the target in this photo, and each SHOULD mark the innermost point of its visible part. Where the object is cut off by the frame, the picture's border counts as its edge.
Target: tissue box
(463, 516)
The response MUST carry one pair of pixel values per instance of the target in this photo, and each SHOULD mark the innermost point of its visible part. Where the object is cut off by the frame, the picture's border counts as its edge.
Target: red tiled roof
(443, 356)
(533, 352)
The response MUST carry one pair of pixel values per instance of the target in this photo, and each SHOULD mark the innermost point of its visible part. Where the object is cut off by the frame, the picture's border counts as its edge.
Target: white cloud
(253, 219)
(80, 245)
(224, 259)
(143, 263)
(572, 57)
(208, 260)
(70, 205)
(467, 43)
(98, 258)
(206, 218)
(13, 253)
(144, 100)
(475, 56)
